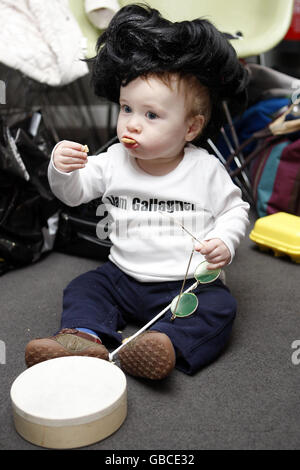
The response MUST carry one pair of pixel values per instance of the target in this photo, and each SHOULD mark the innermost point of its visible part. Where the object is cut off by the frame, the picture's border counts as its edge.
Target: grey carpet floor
(247, 399)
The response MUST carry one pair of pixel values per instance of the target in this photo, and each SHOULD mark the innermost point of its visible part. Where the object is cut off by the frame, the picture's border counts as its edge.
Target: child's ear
(195, 126)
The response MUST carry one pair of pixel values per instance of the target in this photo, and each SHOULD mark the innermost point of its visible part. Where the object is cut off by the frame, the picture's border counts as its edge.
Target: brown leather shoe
(68, 342)
(150, 355)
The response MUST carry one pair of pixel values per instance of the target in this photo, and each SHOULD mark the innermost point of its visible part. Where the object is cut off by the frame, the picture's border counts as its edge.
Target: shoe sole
(151, 355)
(43, 350)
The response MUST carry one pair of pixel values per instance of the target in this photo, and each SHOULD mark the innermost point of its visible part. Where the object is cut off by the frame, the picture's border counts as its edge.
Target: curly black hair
(140, 42)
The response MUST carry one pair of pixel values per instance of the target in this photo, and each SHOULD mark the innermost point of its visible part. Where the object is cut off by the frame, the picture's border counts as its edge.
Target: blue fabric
(105, 300)
(255, 118)
(87, 330)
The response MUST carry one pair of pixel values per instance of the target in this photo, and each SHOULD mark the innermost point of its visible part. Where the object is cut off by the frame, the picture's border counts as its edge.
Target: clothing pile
(268, 149)
(42, 40)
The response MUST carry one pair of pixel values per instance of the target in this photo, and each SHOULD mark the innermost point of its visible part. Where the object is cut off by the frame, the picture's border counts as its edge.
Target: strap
(254, 154)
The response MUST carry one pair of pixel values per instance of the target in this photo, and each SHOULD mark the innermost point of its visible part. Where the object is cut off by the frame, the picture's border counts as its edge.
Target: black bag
(28, 209)
(78, 232)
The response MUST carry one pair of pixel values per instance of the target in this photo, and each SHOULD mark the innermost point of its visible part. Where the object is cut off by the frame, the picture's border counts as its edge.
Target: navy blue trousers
(106, 299)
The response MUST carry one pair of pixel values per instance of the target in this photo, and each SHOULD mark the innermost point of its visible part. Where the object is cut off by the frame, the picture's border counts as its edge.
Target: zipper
(77, 220)
(89, 238)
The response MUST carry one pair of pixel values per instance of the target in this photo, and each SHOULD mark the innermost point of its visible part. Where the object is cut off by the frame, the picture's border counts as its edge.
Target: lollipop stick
(182, 226)
(160, 314)
(182, 287)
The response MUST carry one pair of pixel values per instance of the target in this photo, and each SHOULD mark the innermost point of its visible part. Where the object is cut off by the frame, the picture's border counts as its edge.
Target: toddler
(170, 80)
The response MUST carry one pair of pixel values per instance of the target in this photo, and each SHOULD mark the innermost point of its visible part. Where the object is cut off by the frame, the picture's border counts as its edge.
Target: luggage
(275, 175)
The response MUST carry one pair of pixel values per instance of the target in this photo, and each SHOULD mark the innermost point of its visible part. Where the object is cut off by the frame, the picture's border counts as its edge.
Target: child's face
(155, 116)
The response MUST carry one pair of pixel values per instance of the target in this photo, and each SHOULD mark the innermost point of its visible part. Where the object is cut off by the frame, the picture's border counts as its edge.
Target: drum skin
(69, 402)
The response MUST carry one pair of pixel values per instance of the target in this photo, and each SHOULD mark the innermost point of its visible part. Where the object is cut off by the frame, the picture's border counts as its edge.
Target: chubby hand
(215, 251)
(69, 156)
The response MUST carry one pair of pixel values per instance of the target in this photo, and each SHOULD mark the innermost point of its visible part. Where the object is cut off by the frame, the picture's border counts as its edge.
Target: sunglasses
(186, 303)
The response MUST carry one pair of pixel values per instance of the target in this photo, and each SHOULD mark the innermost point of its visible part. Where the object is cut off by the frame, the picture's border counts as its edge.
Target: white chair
(262, 23)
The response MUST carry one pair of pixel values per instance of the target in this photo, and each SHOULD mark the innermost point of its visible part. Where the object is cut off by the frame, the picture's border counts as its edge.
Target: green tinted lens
(186, 306)
(204, 275)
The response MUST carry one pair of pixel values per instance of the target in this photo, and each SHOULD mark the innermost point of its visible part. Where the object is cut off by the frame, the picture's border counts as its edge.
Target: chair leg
(238, 180)
(239, 158)
(104, 147)
(262, 59)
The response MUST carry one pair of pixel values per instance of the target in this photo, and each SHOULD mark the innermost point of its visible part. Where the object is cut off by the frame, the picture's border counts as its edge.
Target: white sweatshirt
(146, 244)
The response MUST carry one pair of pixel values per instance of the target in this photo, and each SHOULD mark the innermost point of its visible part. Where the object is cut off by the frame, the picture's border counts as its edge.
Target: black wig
(139, 41)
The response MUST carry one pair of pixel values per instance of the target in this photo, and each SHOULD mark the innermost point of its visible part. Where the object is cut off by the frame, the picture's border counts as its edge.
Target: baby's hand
(216, 253)
(69, 156)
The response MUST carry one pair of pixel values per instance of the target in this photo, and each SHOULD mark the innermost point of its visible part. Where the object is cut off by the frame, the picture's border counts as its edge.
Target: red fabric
(294, 29)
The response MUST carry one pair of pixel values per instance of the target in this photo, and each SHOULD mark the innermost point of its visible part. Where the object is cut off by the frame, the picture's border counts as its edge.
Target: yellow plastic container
(279, 232)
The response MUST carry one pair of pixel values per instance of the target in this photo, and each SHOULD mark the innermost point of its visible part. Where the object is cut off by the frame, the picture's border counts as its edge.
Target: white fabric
(146, 246)
(42, 39)
(49, 233)
(100, 12)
